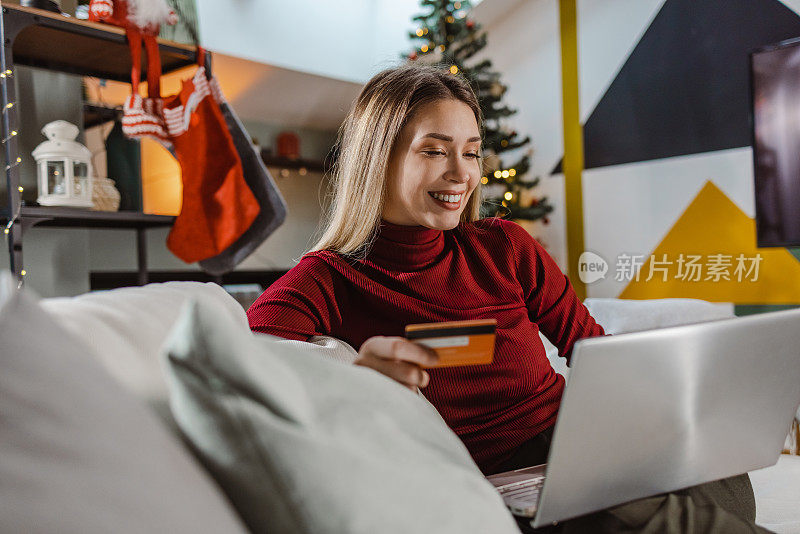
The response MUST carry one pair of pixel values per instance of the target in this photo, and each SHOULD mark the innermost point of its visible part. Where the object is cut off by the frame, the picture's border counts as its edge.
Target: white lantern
(64, 167)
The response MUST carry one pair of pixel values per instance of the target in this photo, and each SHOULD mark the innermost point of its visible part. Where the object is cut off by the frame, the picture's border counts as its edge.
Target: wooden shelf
(311, 165)
(58, 42)
(65, 217)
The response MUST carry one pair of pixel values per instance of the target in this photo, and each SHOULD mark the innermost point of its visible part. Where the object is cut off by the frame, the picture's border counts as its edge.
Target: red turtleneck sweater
(490, 268)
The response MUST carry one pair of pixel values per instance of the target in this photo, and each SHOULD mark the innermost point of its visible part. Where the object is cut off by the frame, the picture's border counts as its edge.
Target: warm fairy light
(512, 172)
(504, 174)
(425, 30)
(457, 5)
(419, 32)
(504, 203)
(450, 19)
(20, 189)
(503, 142)
(453, 69)
(497, 174)
(508, 195)
(424, 48)
(23, 272)
(303, 171)
(9, 105)
(484, 180)
(441, 48)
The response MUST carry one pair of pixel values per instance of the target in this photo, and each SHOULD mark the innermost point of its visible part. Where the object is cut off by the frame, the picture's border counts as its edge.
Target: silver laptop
(650, 412)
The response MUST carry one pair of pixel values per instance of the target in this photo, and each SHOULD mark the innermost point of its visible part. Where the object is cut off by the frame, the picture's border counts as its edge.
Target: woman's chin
(443, 221)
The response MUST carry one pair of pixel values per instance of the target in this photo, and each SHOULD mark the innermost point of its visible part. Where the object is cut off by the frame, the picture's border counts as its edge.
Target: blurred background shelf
(64, 217)
(56, 42)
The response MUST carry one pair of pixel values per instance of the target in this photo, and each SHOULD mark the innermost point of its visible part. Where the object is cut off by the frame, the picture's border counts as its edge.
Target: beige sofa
(126, 329)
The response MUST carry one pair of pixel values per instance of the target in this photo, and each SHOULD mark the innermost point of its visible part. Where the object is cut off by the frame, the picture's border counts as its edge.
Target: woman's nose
(459, 170)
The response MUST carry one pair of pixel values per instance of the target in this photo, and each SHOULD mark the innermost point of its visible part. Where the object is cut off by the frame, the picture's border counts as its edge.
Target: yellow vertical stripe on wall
(573, 141)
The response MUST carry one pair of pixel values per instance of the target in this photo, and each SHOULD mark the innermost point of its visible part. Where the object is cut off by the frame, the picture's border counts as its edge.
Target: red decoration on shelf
(470, 24)
(144, 16)
(412, 56)
(288, 145)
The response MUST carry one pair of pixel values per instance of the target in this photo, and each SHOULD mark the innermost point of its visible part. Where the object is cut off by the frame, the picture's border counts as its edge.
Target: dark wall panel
(684, 88)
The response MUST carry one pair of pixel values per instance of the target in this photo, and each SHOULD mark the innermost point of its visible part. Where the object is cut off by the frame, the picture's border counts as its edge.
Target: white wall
(346, 39)
(524, 46)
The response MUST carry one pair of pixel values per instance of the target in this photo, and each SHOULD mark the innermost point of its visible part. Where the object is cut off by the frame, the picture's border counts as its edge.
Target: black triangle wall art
(685, 89)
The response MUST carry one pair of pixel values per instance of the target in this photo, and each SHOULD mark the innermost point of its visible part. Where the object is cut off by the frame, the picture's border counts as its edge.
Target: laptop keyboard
(523, 490)
(523, 497)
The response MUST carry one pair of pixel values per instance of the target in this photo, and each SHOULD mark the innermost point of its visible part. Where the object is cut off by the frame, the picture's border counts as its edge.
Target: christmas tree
(447, 37)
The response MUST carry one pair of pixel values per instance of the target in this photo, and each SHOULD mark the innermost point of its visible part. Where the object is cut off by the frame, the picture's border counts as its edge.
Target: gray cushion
(79, 453)
(307, 444)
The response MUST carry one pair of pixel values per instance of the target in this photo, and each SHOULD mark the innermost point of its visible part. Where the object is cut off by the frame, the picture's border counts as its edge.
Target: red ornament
(412, 56)
(470, 24)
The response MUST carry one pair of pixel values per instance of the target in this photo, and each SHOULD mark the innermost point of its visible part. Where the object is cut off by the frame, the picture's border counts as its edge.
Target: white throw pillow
(306, 444)
(79, 453)
(126, 327)
(620, 316)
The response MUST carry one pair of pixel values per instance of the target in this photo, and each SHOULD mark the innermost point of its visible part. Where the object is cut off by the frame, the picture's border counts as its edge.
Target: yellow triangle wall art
(710, 253)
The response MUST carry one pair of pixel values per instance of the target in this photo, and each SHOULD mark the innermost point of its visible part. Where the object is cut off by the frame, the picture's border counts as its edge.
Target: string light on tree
(449, 38)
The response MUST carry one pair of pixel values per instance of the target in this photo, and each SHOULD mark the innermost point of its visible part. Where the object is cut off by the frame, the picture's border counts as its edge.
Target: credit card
(468, 342)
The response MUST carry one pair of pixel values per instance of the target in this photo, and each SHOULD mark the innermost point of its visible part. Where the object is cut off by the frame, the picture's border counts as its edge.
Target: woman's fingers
(399, 359)
(398, 348)
(409, 374)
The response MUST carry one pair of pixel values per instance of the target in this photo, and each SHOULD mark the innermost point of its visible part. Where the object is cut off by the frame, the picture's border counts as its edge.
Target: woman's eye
(439, 152)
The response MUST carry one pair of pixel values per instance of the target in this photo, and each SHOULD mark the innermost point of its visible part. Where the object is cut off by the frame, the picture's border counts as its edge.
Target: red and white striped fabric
(156, 118)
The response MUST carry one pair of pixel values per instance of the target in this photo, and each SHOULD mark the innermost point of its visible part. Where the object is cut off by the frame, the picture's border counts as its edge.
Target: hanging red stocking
(218, 206)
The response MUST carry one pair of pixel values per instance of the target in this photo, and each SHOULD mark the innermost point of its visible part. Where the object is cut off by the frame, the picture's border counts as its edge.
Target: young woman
(403, 244)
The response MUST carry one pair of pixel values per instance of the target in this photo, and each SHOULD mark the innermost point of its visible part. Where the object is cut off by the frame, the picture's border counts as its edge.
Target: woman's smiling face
(434, 167)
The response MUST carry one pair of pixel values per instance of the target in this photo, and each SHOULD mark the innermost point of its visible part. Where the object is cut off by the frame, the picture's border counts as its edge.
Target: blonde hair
(366, 140)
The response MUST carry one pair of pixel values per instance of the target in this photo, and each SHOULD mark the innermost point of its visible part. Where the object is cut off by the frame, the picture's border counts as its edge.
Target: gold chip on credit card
(468, 342)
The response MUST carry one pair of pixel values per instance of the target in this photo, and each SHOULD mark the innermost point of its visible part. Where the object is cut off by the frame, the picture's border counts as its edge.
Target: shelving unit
(38, 38)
